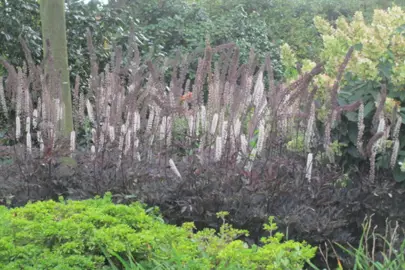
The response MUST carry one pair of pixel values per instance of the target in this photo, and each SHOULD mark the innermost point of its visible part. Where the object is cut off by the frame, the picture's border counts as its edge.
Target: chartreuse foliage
(377, 60)
(98, 234)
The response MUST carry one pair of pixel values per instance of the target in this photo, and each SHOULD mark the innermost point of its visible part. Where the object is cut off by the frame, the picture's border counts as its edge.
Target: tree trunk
(53, 24)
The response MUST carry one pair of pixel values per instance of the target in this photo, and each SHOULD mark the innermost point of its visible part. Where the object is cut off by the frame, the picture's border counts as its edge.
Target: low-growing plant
(88, 234)
(375, 251)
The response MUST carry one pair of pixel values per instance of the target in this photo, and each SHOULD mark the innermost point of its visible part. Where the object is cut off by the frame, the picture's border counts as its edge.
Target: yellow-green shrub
(88, 234)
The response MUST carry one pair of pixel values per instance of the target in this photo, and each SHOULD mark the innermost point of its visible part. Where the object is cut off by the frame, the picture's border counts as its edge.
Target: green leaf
(398, 175)
(358, 46)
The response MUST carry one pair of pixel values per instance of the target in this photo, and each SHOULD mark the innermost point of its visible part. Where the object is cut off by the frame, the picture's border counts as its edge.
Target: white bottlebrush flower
(150, 119)
(394, 154)
(243, 144)
(122, 136)
(3, 99)
(224, 133)
(61, 111)
(397, 128)
(381, 128)
(101, 139)
(261, 137)
(41, 143)
(236, 127)
(174, 168)
(308, 171)
(127, 142)
(214, 124)
(151, 140)
(203, 115)
(94, 135)
(136, 143)
(262, 107)
(137, 121)
(258, 91)
(372, 163)
(218, 148)
(28, 125)
(128, 119)
(111, 133)
(17, 127)
(89, 108)
(35, 118)
(57, 108)
(107, 114)
(197, 124)
(19, 93)
(72, 141)
(169, 131)
(29, 143)
(381, 125)
(44, 114)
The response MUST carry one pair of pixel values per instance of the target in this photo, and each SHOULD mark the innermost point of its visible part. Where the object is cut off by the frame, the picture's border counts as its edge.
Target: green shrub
(89, 234)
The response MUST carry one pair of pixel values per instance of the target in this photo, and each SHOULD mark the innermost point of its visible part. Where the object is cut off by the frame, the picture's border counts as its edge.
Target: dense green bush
(167, 26)
(87, 234)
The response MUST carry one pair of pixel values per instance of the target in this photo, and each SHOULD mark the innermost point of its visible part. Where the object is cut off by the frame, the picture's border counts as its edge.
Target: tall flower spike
(236, 127)
(3, 99)
(150, 119)
(174, 168)
(57, 108)
(41, 143)
(19, 92)
(89, 108)
(308, 171)
(29, 143)
(127, 142)
(218, 149)
(261, 137)
(28, 125)
(243, 144)
(397, 128)
(111, 133)
(372, 164)
(72, 141)
(258, 91)
(17, 127)
(224, 134)
(169, 131)
(137, 121)
(394, 154)
(35, 118)
(214, 124)
(381, 128)
(203, 119)
(197, 124)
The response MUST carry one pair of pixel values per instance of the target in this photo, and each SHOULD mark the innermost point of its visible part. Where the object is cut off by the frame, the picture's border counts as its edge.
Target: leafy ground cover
(98, 234)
